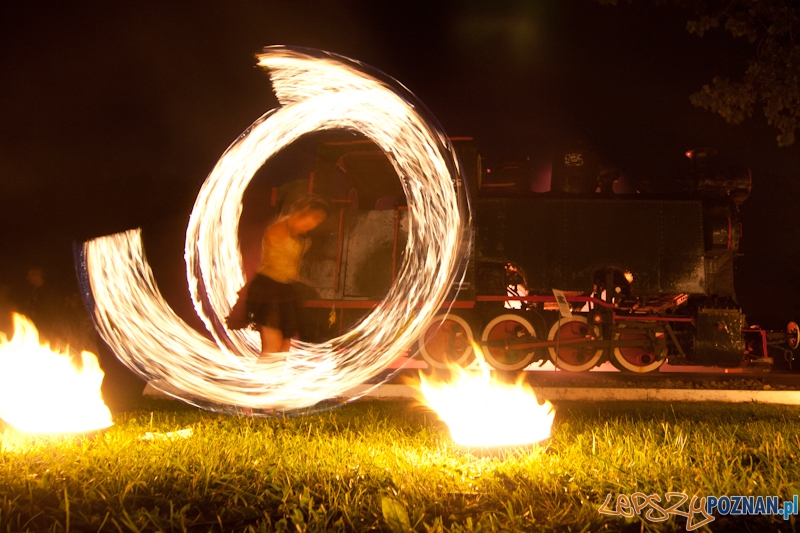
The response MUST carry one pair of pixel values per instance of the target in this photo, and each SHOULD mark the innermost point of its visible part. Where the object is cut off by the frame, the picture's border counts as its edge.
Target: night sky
(113, 113)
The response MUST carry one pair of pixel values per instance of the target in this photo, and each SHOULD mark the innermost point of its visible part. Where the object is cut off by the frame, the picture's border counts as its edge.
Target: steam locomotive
(577, 276)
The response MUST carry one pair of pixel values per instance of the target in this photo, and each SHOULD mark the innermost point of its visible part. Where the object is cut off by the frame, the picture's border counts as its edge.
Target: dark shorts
(273, 305)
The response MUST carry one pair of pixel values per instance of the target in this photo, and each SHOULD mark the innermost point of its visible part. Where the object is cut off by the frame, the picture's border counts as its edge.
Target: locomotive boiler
(577, 276)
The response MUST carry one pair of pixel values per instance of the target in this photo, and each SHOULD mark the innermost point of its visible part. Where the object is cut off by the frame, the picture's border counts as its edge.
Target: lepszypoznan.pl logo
(701, 510)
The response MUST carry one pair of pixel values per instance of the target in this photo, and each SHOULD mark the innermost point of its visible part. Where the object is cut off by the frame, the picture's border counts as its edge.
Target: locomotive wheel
(573, 358)
(635, 358)
(447, 339)
(512, 329)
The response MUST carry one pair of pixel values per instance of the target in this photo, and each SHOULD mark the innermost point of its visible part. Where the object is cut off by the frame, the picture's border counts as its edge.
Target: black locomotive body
(639, 279)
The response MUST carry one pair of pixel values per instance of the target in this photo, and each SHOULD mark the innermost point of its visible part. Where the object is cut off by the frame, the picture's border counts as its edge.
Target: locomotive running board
(596, 343)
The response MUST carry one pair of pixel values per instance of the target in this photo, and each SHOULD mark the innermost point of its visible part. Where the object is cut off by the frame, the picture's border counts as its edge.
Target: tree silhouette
(772, 77)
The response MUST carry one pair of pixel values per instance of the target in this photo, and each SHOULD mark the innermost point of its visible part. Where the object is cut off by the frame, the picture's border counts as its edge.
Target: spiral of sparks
(316, 91)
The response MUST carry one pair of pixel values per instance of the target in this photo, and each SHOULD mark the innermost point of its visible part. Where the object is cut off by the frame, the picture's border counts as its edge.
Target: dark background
(113, 113)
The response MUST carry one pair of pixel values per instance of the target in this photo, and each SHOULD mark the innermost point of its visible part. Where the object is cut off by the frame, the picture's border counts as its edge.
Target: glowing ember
(42, 391)
(483, 411)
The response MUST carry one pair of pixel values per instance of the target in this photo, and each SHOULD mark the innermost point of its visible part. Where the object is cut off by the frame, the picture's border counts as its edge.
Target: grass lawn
(387, 465)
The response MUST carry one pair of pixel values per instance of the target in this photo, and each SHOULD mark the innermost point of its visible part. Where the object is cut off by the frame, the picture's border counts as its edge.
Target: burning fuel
(44, 391)
(481, 410)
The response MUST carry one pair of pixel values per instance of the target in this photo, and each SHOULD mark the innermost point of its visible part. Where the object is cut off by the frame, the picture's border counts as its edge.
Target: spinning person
(271, 298)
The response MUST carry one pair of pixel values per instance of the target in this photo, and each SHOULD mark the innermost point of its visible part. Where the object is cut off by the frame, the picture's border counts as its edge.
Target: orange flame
(42, 391)
(483, 411)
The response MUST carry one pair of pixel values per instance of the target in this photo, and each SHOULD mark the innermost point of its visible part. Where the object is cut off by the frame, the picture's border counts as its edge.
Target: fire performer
(271, 298)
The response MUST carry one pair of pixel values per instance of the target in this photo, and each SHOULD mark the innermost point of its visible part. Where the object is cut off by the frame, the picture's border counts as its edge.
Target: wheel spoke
(447, 340)
(510, 329)
(637, 359)
(574, 358)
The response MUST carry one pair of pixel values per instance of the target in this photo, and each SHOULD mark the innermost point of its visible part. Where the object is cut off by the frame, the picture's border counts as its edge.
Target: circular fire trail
(316, 91)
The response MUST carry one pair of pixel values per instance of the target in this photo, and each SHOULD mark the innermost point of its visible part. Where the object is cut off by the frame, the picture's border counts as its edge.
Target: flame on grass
(43, 391)
(483, 411)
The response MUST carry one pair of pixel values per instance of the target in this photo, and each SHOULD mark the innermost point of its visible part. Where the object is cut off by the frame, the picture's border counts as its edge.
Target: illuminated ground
(370, 465)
